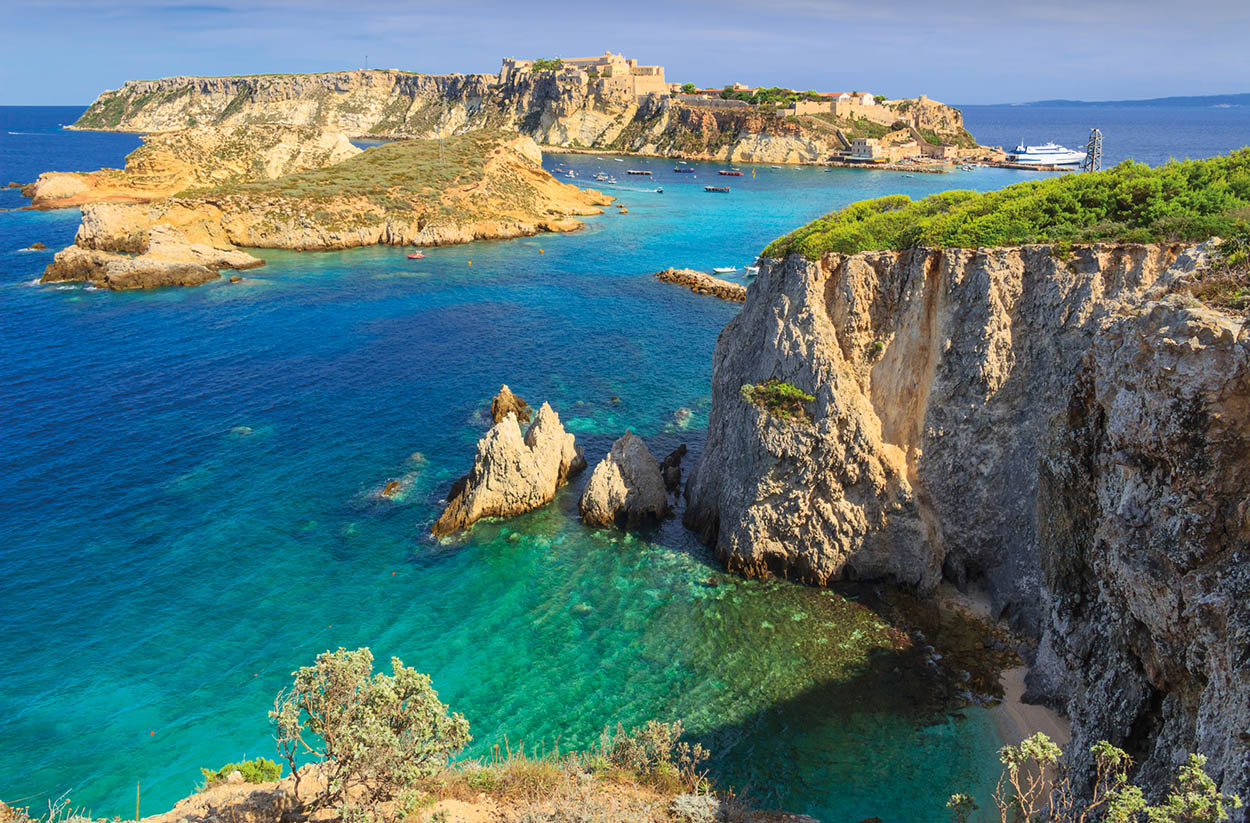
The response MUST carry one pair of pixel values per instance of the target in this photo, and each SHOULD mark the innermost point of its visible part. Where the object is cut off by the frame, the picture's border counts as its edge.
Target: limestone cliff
(1145, 543)
(928, 451)
(170, 162)
(565, 110)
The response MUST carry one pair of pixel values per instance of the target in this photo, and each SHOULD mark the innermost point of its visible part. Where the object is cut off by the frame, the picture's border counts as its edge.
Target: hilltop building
(617, 73)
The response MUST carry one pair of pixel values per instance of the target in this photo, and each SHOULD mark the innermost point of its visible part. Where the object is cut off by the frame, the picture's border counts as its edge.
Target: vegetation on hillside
(781, 400)
(1132, 202)
(413, 170)
(547, 64)
(257, 770)
(1038, 785)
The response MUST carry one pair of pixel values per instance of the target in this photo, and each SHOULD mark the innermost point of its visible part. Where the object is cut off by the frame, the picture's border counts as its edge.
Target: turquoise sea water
(190, 485)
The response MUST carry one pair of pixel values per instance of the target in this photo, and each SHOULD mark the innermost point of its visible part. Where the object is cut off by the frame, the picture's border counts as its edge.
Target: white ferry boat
(1047, 154)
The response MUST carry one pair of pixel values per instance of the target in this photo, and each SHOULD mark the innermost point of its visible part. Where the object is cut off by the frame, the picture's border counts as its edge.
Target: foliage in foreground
(375, 736)
(382, 744)
(1037, 786)
(781, 400)
(258, 770)
(1132, 202)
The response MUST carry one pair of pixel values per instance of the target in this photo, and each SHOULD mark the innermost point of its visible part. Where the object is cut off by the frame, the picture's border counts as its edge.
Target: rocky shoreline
(176, 217)
(702, 283)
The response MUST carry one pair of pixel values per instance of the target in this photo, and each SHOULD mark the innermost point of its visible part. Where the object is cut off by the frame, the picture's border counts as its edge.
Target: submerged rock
(626, 488)
(512, 474)
(505, 402)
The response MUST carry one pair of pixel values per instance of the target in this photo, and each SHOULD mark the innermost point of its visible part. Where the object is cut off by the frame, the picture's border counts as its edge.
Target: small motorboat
(686, 170)
(416, 255)
(659, 190)
(730, 172)
(719, 189)
(751, 271)
(725, 269)
(637, 171)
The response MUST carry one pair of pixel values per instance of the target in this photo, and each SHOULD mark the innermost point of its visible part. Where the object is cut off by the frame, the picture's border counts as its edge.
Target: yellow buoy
(470, 262)
(540, 251)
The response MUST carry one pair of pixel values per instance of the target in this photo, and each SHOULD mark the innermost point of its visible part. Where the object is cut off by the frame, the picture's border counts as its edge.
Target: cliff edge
(1026, 419)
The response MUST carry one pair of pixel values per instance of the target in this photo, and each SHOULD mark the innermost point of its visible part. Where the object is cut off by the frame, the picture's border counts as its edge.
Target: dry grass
(1225, 288)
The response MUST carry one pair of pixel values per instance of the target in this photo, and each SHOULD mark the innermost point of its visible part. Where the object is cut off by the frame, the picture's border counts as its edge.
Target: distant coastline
(1153, 102)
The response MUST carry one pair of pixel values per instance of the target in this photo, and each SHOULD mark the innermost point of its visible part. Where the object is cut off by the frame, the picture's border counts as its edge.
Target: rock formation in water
(1032, 424)
(481, 186)
(504, 402)
(670, 468)
(626, 488)
(565, 109)
(701, 283)
(512, 474)
(203, 157)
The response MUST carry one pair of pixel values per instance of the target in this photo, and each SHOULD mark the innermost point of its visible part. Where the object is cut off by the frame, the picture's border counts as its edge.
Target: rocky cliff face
(558, 110)
(1145, 543)
(929, 450)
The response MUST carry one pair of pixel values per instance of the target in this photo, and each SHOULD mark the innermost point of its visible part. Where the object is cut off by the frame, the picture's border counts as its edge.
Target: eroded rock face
(506, 402)
(512, 474)
(555, 109)
(934, 373)
(171, 161)
(1050, 428)
(626, 488)
(167, 260)
(1144, 535)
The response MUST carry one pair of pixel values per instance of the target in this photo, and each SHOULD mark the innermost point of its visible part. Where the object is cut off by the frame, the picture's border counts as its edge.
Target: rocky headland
(557, 109)
(484, 185)
(1049, 425)
(204, 157)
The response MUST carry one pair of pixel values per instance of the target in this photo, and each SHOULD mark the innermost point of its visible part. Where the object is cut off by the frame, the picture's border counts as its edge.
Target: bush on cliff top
(1131, 202)
(258, 770)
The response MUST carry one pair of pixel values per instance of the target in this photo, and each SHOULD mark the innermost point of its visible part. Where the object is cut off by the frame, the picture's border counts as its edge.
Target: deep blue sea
(190, 482)
(1147, 134)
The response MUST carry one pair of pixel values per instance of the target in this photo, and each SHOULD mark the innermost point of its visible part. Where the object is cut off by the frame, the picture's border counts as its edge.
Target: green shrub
(548, 64)
(1038, 786)
(259, 770)
(656, 754)
(1131, 202)
(779, 399)
(379, 734)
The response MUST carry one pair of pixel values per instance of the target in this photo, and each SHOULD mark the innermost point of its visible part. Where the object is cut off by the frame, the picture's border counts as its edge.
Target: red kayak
(416, 255)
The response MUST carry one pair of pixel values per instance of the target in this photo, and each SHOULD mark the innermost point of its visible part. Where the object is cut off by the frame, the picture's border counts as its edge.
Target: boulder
(626, 488)
(505, 402)
(670, 468)
(701, 283)
(512, 474)
(37, 246)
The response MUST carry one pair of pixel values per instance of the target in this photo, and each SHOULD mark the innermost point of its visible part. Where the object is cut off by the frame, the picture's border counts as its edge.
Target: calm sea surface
(1147, 134)
(190, 484)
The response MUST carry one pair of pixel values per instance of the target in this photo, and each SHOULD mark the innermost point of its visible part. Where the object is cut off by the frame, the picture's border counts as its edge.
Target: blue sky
(979, 51)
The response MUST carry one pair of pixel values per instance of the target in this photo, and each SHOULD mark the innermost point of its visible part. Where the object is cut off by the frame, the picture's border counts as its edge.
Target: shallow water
(190, 481)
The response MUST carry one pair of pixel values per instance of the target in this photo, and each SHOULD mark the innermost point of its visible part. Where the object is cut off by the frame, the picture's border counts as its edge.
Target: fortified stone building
(615, 71)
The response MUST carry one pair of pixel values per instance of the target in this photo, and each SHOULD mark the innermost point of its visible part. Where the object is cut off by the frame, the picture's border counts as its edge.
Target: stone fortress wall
(615, 71)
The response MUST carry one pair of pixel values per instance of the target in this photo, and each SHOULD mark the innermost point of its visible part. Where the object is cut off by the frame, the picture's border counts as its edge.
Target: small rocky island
(187, 199)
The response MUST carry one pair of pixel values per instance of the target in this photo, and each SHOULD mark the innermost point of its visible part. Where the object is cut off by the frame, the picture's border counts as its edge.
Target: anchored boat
(721, 189)
(1047, 154)
(730, 172)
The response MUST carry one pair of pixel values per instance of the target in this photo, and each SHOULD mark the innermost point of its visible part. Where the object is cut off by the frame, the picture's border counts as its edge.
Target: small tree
(547, 64)
(375, 735)
(688, 88)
